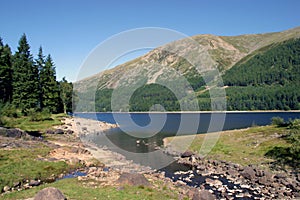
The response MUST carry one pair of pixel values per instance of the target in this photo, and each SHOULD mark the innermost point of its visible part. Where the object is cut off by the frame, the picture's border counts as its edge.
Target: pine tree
(5, 73)
(50, 97)
(25, 78)
(40, 64)
(66, 92)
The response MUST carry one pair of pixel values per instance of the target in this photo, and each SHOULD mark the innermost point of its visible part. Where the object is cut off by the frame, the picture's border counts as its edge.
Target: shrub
(9, 110)
(46, 114)
(294, 138)
(35, 115)
(295, 124)
(278, 121)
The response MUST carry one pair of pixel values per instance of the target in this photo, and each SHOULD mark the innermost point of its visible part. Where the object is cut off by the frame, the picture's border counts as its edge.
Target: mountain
(187, 69)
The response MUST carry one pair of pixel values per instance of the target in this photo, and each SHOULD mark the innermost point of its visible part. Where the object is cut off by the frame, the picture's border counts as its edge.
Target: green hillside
(268, 80)
(259, 72)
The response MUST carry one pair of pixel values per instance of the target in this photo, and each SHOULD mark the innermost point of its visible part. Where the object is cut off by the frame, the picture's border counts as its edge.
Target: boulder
(203, 195)
(50, 193)
(34, 183)
(248, 173)
(15, 133)
(6, 188)
(134, 179)
(264, 181)
(187, 154)
(59, 131)
(232, 173)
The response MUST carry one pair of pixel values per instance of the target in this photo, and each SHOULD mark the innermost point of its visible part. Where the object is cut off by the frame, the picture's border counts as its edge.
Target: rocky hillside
(189, 63)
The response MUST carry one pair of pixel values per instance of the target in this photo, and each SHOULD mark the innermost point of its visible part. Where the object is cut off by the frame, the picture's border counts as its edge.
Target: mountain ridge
(162, 64)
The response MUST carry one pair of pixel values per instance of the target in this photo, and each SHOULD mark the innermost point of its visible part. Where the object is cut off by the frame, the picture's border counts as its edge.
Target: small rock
(34, 183)
(264, 181)
(59, 131)
(16, 184)
(212, 182)
(244, 186)
(280, 175)
(69, 132)
(49, 131)
(187, 154)
(201, 167)
(240, 195)
(6, 188)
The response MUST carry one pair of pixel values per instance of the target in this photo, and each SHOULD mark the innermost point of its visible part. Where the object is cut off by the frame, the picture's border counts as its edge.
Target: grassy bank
(247, 146)
(27, 162)
(18, 165)
(27, 124)
(85, 192)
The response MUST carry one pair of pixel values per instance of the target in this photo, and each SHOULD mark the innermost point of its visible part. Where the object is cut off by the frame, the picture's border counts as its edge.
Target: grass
(84, 192)
(17, 165)
(25, 124)
(247, 146)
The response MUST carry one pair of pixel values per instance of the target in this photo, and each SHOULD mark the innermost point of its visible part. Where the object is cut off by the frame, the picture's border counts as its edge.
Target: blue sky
(70, 29)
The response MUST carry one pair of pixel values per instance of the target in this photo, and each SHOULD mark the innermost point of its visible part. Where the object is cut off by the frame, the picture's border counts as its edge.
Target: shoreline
(195, 112)
(83, 127)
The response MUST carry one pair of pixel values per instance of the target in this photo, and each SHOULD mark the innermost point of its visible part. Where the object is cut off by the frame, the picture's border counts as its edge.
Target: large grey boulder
(248, 173)
(50, 193)
(203, 195)
(134, 179)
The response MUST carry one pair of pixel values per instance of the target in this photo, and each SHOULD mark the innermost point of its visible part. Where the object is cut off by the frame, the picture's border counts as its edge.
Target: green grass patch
(18, 165)
(74, 189)
(247, 146)
(26, 124)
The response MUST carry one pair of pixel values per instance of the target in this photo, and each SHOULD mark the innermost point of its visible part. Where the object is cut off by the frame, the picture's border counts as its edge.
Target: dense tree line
(277, 64)
(153, 96)
(30, 84)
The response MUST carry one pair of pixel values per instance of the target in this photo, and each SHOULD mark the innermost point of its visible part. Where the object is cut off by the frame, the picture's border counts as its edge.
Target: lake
(142, 133)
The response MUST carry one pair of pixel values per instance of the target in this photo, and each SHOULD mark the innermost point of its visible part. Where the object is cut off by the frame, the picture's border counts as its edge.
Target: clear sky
(70, 29)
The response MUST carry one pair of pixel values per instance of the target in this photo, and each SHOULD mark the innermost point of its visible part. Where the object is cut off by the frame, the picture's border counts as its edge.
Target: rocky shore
(100, 167)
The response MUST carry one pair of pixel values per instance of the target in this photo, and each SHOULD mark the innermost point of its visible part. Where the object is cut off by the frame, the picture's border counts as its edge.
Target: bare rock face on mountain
(205, 51)
(50, 193)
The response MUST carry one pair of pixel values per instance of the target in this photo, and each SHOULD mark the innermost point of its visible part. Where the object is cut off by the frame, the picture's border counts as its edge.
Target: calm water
(144, 132)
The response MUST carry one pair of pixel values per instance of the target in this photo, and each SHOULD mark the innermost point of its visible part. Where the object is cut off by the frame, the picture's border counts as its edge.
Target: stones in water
(50, 193)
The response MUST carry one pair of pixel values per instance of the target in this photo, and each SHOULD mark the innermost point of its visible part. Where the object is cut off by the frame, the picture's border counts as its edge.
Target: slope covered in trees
(268, 80)
(29, 84)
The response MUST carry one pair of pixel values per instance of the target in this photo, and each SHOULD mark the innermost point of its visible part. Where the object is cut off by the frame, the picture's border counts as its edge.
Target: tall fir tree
(66, 94)
(40, 64)
(50, 96)
(25, 78)
(5, 73)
